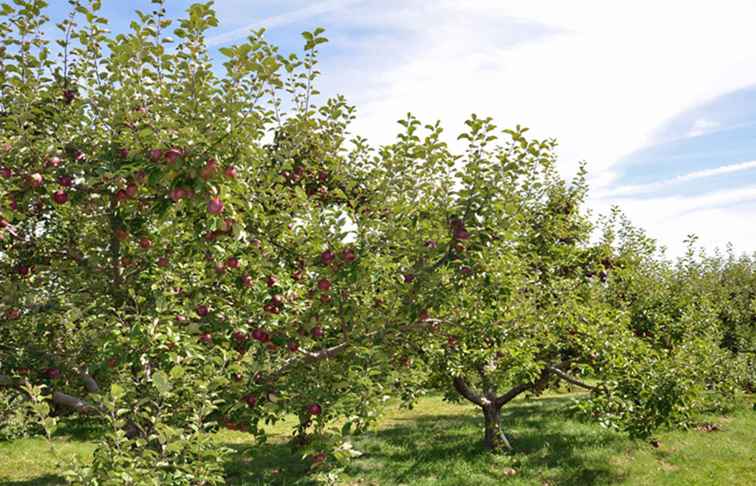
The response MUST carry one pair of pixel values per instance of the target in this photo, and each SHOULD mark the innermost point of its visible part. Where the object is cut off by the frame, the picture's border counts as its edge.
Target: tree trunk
(494, 440)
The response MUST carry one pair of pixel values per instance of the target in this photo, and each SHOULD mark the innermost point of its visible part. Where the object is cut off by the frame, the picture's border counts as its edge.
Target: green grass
(439, 444)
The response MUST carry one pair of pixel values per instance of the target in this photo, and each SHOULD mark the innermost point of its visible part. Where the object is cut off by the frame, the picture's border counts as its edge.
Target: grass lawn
(439, 444)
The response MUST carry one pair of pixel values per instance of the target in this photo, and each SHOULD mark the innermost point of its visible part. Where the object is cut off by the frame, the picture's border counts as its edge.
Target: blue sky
(659, 98)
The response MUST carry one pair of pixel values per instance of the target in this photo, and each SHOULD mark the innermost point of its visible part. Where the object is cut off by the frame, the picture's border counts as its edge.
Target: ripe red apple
(209, 170)
(162, 262)
(232, 262)
(23, 270)
(231, 172)
(79, 156)
(260, 335)
(12, 314)
(323, 176)
(271, 308)
(51, 373)
(60, 197)
(324, 284)
(206, 338)
(177, 194)
(121, 234)
(132, 189)
(325, 298)
(181, 319)
(121, 196)
(156, 155)
(68, 96)
(297, 275)
(54, 161)
(272, 280)
(408, 278)
(239, 336)
(246, 281)
(293, 346)
(250, 400)
(172, 155)
(327, 257)
(215, 205)
(314, 409)
(277, 299)
(203, 310)
(348, 255)
(145, 243)
(65, 181)
(6, 172)
(317, 332)
(123, 153)
(35, 180)
(220, 267)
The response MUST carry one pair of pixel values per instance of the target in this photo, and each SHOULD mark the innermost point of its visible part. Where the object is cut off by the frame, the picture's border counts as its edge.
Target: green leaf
(162, 382)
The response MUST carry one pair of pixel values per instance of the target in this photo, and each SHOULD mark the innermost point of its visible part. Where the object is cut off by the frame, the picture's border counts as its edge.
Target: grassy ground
(439, 444)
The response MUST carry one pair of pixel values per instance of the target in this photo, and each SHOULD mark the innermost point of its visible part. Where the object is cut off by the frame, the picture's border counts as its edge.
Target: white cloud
(702, 126)
(701, 174)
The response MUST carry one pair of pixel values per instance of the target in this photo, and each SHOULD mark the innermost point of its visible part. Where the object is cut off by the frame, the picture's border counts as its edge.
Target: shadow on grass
(549, 444)
(46, 480)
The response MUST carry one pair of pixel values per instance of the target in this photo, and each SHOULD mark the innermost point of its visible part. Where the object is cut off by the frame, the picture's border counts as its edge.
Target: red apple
(123, 153)
(297, 275)
(317, 332)
(60, 197)
(172, 155)
(145, 243)
(293, 346)
(215, 205)
(181, 319)
(314, 409)
(325, 298)
(121, 234)
(23, 270)
(272, 280)
(220, 267)
(250, 400)
(162, 262)
(408, 278)
(260, 335)
(6, 172)
(203, 310)
(209, 170)
(51, 373)
(112, 362)
(239, 336)
(348, 255)
(121, 196)
(35, 180)
(65, 181)
(277, 299)
(54, 161)
(131, 190)
(232, 262)
(156, 154)
(271, 308)
(206, 338)
(231, 172)
(12, 314)
(327, 257)
(324, 284)
(246, 281)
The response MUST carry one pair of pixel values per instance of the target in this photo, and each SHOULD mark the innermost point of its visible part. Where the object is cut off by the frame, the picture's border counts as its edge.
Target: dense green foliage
(193, 250)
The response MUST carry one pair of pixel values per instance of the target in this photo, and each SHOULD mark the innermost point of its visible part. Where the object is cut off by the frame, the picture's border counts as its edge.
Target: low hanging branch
(561, 374)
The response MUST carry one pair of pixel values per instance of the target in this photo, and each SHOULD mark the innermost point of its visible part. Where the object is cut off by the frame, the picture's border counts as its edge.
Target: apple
(121, 196)
(297, 275)
(220, 267)
(54, 161)
(69, 95)
(177, 194)
(293, 346)
(250, 400)
(131, 190)
(239, 336)
(237, 377)
(271, 308)
(12, 314)
(348, 255)
(408, 278)
(232, 262)
(461, 234)
(121, 234)
(272, 280)
(325, 298)
(314, 409)
(203, 310)
(6, 172)
(23, 270)
(228, 225)
(323, 176)
(423, 315)
(60, 197)
(181, 319)
(162, 262)
(215, 205)
(277, 299)
(156, 155)
(211, 236)
(172, 155)
(65, 181)
(112, 362)
(51, 373)
(35, 180)
(317, 332)
(231, 172)
(79, 156)
(145, 243)
(209, 170)
(433, 244)
(260, 335)
(126, 261)
(324, 284)
(206, 338)
(123, 153)
(466, 271)
(327, 257)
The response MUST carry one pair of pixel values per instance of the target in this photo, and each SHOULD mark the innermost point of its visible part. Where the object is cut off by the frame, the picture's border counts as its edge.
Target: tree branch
(561, 374)
(75, 403)
(464, 389)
